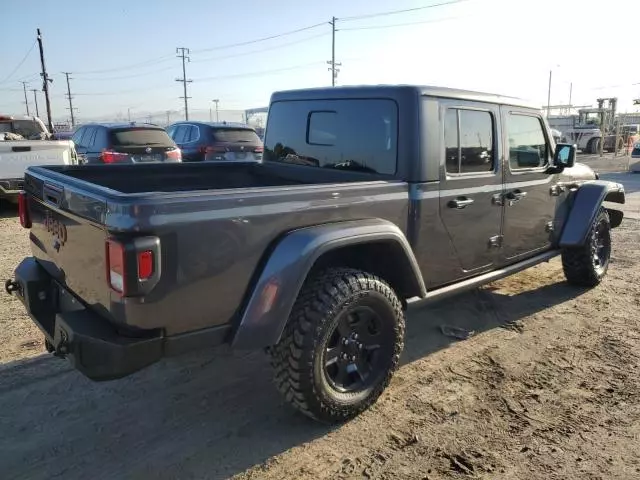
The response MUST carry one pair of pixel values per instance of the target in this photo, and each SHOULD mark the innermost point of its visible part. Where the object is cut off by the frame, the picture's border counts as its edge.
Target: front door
(529, 206)
(471, 184)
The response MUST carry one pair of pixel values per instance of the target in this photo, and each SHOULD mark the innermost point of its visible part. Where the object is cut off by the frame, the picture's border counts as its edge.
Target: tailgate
(67, 237)
(15, 157)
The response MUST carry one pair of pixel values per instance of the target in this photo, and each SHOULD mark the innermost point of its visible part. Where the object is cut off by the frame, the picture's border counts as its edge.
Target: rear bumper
(10, 187)
(88, 341)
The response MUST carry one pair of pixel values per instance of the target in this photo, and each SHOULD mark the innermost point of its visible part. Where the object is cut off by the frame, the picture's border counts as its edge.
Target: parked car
(124, 143)
(369, 199)
(25, 141)
(216, 142)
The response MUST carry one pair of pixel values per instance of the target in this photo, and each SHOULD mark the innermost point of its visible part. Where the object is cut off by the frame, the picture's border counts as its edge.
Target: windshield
(236, 135)
(141, 137)
(24, 128)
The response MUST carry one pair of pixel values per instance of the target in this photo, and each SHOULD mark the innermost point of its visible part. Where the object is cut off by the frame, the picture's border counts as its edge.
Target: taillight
(133, 266)
(174, 154)
(23, 210)
(145, 265)
(116, 271)
(259, 149)
(109, 156)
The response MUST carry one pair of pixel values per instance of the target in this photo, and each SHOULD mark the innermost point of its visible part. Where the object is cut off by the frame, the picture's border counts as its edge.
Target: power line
(24, 59)
(395, 12)
(263, 72)
(102, 79)
(183, 54)
(376, 27)
(261, 50)
(152, 61)
(263, 39)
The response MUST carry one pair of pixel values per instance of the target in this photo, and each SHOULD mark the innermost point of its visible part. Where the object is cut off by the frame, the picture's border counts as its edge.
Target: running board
(470, 283)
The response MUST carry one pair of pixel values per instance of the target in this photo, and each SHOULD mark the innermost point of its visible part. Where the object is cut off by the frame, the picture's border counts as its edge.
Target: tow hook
(11, 286)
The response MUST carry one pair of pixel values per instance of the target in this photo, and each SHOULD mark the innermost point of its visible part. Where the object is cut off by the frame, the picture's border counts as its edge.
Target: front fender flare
(585, 206)
(271, 300)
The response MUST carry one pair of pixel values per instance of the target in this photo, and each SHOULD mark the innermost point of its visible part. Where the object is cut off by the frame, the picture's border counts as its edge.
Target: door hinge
(556, 190)
(549, 227)
(495, 241)
(497, 199)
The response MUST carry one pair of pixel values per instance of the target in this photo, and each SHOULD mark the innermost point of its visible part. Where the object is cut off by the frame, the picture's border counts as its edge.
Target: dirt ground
(547, 388)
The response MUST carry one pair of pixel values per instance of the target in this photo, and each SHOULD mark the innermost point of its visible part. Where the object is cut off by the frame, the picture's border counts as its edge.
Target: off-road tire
(593, 146)
(578, 262)
(298, 359)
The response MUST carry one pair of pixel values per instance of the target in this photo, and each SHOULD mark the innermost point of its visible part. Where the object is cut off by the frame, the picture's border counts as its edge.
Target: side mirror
(565, 156)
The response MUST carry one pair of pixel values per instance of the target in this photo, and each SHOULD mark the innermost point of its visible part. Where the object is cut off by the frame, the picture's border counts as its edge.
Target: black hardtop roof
(396, 90)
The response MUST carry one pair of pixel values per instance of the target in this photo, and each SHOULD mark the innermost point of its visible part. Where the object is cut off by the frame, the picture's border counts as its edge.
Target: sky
(122, 54)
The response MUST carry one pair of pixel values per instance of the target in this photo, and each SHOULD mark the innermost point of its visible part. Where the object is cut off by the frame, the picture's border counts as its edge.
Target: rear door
(67, 236)
(142, 144)
(235, 144)
(188, 140)
(529, 203)
(471, 183)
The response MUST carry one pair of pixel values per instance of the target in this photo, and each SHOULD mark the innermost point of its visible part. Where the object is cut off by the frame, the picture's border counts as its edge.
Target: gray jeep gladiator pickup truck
(367, 199)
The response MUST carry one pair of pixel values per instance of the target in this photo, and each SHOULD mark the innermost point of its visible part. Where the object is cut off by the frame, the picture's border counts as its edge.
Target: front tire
(341, 345)
(587, 265)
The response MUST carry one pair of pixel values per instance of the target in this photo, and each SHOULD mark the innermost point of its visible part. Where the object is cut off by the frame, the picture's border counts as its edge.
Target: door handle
(460, 203)
(515, 196)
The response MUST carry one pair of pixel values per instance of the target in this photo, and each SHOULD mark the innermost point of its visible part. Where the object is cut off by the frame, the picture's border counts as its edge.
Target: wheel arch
(586, 203)
(373, 245)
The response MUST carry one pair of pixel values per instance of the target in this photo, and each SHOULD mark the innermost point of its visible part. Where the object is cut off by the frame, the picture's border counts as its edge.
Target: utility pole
(35, 100)
(570, 94)
(168, 112)
(45, 82)
(215, 100)
(334, 71)
(73, 119)
(26, 102)
(129, 114)
(182, 53)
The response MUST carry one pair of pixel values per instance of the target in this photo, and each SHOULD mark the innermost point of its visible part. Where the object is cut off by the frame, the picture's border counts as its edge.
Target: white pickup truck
(25, 141)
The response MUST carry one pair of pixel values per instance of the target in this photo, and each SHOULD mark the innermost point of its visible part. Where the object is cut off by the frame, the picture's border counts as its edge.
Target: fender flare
(585, 206)
(266, 313)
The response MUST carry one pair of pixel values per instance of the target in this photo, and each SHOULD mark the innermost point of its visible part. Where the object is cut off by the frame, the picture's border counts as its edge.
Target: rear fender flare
(585, 206)
(272, 298)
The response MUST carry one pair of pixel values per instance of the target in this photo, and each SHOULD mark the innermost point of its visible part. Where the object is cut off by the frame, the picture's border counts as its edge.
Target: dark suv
(124, 143)
(216, 142)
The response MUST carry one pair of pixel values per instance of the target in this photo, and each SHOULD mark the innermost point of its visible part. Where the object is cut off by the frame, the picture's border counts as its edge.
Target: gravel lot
(547, 388)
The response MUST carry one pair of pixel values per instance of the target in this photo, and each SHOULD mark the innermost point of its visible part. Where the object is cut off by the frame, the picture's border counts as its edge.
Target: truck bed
(214, 223)
(131, 179)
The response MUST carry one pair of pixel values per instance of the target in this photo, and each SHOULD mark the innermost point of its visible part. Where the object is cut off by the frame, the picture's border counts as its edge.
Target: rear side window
(140, 137)
(357, 135)
(469, 142)
(236, 135)
(527, 143)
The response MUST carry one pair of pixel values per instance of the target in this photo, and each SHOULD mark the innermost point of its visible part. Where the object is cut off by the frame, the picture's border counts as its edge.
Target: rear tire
(587, 265)
(594, 146)
(341, 345)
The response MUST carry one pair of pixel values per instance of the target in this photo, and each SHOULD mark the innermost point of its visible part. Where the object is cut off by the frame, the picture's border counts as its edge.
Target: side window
(527, 143)
(354, 135)
(469, 141)
(321, 129)
(77, 137)
(180, 132)
(91, 137)
(194, 134)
